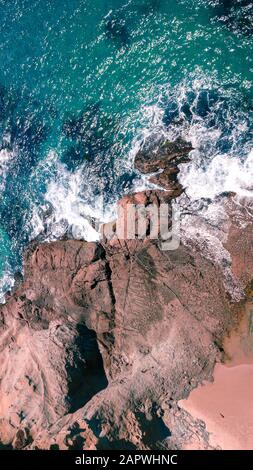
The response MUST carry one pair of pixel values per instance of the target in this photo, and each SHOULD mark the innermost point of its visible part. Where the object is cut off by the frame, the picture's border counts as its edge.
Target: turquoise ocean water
(83, 83)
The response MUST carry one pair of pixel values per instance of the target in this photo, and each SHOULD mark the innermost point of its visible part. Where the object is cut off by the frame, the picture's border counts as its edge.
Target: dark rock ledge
(100, 341)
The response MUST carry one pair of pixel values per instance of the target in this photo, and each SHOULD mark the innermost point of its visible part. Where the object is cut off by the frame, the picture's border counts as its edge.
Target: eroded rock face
(51, 363)
(156, 341)
(100, 342)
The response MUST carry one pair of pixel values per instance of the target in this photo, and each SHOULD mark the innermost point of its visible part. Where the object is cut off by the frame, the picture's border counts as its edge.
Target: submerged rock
(237, 16)
(115, 29)
(92, 132)
(75, 156)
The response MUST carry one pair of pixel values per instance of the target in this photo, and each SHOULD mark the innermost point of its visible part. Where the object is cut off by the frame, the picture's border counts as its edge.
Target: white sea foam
(6, 283)
(6, 157)
(75, 210)
(224, 173)
(210, 173)
(69, 207)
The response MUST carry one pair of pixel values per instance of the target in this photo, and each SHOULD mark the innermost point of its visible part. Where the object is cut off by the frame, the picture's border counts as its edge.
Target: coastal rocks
(163, 161)
(47, 355)
(101, 341)
(240, 240)
(146, 325)
(160, 157)
(159, 162)
(139, 217)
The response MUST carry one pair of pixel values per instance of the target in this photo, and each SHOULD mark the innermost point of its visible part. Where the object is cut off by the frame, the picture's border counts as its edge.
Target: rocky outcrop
(50, 363)
(100, 342)
(163, 162)
(78, 299)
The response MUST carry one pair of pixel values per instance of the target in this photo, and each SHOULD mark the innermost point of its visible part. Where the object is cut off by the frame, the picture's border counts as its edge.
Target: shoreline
(137, 328)
(225, 403)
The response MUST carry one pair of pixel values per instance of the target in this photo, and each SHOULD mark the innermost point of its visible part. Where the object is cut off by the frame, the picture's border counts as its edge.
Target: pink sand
(226, 407)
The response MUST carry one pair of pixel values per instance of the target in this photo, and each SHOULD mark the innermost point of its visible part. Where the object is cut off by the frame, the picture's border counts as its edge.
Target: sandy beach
(226, 404)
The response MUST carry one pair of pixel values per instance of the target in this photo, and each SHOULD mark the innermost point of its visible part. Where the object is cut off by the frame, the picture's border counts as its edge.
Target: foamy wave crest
(74, 204)
(6, 156)
(218, 123)
(223, 174)
(69, 212)
(6, 283)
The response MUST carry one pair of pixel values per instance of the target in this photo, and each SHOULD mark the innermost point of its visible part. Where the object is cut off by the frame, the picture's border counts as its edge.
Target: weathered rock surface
(163, 161)
(156, 341)
(100, 342)
(50, 363)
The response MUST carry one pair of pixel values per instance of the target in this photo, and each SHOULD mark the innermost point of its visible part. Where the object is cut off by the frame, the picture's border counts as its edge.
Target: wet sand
(226, 404)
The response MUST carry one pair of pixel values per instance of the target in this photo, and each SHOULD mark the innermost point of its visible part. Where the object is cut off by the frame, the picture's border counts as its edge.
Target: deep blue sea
(84, 83)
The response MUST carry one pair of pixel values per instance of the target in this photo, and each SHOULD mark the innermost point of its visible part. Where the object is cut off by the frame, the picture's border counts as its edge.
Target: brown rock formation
(161, 166)
(101, 341)
(164, 161)
(154, 347)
